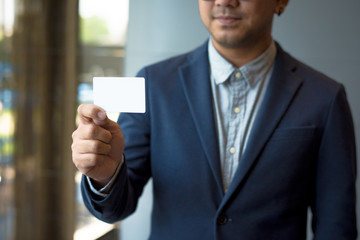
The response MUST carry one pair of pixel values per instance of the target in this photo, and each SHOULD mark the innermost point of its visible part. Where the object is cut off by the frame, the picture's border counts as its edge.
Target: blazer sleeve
(334, 211)
(134, 174)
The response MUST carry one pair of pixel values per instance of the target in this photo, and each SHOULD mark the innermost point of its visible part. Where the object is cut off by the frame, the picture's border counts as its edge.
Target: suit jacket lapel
(281, 90)
(196, 83)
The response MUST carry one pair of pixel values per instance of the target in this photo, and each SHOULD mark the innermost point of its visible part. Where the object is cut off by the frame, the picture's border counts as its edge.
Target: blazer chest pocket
(294, 133)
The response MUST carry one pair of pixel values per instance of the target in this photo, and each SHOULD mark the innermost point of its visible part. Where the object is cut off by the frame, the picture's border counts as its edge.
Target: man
(239, 138)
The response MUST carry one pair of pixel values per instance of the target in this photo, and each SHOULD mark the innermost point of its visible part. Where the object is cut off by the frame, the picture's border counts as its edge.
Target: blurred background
(51, 49)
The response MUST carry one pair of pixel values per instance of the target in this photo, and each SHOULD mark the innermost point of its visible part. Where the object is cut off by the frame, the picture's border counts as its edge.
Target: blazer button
(222, 219)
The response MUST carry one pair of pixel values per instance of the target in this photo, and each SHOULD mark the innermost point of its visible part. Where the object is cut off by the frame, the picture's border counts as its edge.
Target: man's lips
(227, 20)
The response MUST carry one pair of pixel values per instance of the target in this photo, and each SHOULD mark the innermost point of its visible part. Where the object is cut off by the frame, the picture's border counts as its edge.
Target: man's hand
(98, 144)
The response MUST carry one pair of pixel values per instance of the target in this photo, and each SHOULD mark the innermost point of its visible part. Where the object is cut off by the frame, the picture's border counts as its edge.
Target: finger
(110, 125)
(93, 132)
(91, 146)
(92, 165)
(86, 162)
(89, 113)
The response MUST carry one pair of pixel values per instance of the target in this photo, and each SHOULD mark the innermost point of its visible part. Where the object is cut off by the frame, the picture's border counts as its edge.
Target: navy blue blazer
(301, 154)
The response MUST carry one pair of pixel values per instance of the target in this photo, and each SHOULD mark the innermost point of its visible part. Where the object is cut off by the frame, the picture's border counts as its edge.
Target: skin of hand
(98, 144)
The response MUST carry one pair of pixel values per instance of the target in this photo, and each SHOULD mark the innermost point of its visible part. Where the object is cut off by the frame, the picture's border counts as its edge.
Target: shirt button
(222, 219)
(238, 75)
(237, 110)
(232, 150)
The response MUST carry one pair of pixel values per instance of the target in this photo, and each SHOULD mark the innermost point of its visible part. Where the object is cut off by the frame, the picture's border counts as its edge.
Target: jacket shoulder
(310, 76)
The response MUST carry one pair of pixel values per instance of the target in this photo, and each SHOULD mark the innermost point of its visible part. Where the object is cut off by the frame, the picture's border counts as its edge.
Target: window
(102, 34)
(46, 69)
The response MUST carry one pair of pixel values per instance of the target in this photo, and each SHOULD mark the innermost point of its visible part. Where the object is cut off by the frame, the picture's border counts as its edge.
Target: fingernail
(101, 115)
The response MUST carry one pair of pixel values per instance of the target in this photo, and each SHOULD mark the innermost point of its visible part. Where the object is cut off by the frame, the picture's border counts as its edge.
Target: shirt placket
(236, 116)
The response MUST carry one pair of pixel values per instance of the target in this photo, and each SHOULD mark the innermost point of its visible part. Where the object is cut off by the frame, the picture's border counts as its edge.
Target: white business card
(120, 94)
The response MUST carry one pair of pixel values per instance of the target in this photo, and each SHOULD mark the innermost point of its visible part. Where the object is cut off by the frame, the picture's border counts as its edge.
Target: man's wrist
(104, 191)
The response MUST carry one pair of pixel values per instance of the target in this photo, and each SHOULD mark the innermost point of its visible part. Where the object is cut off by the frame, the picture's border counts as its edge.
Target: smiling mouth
(227, 20)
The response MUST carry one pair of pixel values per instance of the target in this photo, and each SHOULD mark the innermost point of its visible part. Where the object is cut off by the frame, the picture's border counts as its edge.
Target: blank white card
(120, 94)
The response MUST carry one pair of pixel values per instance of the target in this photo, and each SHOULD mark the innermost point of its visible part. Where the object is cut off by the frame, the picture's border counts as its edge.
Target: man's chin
(228, 42)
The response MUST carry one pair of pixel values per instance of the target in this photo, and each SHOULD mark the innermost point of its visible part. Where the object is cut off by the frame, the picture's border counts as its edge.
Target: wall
(323, 33)
(159, 29)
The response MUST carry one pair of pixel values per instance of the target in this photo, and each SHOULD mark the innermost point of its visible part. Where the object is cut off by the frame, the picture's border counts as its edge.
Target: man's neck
(240, 56)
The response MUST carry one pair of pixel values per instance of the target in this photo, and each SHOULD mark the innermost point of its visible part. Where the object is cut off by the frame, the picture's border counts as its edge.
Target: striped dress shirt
(237, 97)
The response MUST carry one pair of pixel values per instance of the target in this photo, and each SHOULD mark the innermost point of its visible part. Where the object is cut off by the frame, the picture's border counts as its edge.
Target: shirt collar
(253, 72)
